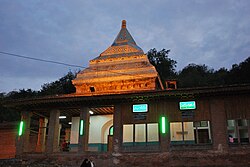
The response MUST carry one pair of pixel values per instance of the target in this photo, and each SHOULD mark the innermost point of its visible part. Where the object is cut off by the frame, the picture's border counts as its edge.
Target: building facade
(120, 113)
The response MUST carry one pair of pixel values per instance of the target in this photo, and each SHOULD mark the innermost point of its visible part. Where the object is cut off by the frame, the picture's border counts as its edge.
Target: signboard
(187, 114)
(140, 108)
(187, 105)
(140, 116)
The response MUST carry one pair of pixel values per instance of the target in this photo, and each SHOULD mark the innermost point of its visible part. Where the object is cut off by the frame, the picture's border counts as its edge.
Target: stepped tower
(121, 68)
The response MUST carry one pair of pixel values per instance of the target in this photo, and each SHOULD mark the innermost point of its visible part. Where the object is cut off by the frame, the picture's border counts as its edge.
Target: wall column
(218, 124)
(53, 133)
(118, 129)
(23, 140)
(40, 145)
(83, 139)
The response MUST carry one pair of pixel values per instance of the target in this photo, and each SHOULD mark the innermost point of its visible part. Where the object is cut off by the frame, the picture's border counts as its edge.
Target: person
(92, 163)
(87, 163)
(64, 145)
(231, 139)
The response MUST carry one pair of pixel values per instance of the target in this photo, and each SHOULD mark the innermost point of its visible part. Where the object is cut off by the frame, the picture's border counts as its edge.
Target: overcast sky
(211, 32)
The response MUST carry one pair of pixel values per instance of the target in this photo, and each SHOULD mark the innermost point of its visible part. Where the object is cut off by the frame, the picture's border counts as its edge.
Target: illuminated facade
(121, 68)
(121, 110)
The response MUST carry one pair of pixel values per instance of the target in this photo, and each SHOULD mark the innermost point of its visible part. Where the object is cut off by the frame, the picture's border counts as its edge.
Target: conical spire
(123, 37)
(124, 44)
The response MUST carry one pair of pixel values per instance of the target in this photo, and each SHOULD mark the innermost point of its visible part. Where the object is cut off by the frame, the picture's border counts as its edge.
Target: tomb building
(121, 68)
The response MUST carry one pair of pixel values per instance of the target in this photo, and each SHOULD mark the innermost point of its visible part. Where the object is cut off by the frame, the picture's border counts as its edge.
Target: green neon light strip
(20, 128)
(81, 128)
(163, 125)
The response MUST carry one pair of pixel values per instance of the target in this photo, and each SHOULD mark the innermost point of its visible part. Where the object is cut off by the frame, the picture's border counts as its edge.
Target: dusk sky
(211, 32)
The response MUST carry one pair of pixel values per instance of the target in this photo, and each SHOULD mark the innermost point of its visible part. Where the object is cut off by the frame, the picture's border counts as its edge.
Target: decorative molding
(123, 49)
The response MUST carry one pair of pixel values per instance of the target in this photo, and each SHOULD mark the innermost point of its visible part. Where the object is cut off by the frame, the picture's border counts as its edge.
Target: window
(153, 133)
(140, 134)
(128, 136)
(92, 89)
(190, 132)
(238, 131)
(111, 130)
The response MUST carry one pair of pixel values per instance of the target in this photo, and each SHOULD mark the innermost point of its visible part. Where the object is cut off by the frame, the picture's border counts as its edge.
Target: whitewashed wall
(98, 128)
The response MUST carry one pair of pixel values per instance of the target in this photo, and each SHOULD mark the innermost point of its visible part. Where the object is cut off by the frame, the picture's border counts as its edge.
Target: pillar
(165, 137)
(219, 125)
(53, 133)
(118, 129)
(40, 145)
(83, 139)
(22, 144)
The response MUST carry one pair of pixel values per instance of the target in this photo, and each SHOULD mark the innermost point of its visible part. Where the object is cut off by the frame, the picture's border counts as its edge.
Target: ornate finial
(123, 23)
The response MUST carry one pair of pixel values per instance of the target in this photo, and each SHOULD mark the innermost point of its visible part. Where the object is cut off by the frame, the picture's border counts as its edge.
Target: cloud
(211, 32)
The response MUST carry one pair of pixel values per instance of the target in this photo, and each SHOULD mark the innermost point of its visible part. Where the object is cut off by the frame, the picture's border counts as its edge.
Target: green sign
(187, 105)
(140, 108)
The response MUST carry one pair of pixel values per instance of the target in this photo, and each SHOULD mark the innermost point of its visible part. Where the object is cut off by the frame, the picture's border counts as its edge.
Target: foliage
(62, 86)
(200, 75)
(239, 73)
(164, 65)
(22, 93)
(194, 75)
(7, 114)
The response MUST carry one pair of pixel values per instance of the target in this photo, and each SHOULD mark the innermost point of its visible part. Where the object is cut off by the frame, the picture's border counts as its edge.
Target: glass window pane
(204, 123)
(197, 124)
(202, 134)
(175, 131)
(231, 130)
(244, 137)
(140, 135)
(188, 132)
(242, 122)
(231, 123)
(127, 133)
(153, 133)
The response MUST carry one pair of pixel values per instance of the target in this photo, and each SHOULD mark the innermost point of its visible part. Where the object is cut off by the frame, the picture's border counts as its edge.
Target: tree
(21, 93)
(220, 76)
(195, 76)
(62, 86)
(164, 65)
(239, 73)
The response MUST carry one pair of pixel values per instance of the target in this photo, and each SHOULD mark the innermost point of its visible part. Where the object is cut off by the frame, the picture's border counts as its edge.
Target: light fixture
(81, 127)
(70, 123)
(20, 128)
(91, 112)
(62, 117)
(163, 125)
